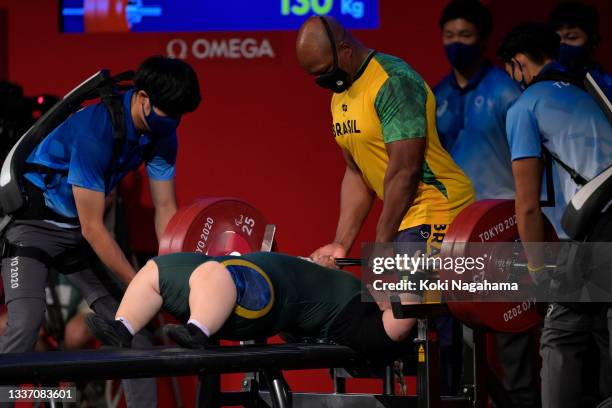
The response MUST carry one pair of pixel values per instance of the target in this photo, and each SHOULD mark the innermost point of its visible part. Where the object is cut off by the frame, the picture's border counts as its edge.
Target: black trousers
(567, 338)
(24, 281)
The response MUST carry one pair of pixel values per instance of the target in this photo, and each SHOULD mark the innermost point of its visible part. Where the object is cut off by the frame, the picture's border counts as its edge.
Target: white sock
(126, 324)
(199, 326)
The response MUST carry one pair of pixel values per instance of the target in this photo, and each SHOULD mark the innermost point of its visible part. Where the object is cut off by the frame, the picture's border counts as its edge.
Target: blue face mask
(572, 56)
(160, 126)
(462, 55)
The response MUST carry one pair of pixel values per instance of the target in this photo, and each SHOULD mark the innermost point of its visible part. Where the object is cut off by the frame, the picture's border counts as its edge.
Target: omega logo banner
(226, 48)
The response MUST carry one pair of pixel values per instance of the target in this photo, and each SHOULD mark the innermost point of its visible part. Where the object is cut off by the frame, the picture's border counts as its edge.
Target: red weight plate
(165, 241)
(174, 235)
(214, 226)
(489, 221)
(177, 226)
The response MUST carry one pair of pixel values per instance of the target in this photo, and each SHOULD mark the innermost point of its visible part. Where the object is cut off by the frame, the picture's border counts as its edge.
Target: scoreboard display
(84, 16)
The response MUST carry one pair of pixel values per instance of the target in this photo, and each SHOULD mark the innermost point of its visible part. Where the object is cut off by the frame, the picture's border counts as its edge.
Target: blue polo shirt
(471, 122)
(570, 124)
(603, 79)
(82, 146)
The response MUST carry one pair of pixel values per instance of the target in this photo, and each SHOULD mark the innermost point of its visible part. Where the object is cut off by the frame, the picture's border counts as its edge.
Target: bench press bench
(267, 387)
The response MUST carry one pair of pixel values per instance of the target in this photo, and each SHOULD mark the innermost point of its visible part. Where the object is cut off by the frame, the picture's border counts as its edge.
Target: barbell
(487, 222)
(222, 226)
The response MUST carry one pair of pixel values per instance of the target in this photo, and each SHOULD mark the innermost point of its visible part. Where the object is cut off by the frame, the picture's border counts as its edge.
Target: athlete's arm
(90, 206)
(400, 183)
(164, 201)
(355, 202)
(396, 329)
(401, 105)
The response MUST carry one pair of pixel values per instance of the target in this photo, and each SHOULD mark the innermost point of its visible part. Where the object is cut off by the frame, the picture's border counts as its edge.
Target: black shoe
(109, 332)
(186, 335)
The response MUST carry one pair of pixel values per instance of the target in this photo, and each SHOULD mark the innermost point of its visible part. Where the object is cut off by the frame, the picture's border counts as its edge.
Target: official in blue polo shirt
(553, 114)
(68, 177)
(85, 160)
(472, 101)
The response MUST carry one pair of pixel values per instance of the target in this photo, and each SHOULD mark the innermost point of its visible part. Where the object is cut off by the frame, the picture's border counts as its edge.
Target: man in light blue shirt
(566, 121)
(555, 115)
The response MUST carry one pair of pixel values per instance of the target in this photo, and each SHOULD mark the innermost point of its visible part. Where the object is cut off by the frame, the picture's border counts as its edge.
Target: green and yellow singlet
(388, 102)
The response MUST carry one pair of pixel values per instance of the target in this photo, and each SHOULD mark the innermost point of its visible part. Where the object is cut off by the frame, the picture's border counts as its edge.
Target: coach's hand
(326, 254)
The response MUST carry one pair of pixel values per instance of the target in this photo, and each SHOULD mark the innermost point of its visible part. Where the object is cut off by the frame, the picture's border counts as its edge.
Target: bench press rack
(267, 388)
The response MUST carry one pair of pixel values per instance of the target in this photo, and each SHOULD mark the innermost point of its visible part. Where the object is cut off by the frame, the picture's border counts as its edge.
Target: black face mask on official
(572, 56)
(462, 55)
(522, 83)
(337, 79)
(160, 126)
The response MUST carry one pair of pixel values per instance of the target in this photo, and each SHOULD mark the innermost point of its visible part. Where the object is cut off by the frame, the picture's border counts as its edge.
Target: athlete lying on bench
(256, 295)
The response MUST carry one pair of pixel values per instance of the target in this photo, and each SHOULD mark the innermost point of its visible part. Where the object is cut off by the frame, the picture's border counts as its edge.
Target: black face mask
(522, 83)
(337, 79)
(462, 55)
(573, 57)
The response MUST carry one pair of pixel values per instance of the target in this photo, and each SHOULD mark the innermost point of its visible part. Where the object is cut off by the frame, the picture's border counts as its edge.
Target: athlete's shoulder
(401, 79)
(396, 67)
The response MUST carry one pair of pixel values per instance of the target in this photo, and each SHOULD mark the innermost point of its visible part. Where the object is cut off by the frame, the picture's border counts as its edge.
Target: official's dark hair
(470, 10)
(575, 14)
(538, 41)
(172, 85)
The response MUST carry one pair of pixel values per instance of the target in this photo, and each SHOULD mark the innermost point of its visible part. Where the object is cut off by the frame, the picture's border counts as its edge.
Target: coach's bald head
(316, 40)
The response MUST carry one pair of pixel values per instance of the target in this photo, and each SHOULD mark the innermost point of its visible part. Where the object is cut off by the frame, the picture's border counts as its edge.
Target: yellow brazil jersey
(387, 102)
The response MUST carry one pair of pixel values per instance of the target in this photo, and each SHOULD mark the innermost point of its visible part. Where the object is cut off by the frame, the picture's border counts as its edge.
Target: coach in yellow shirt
(384, 120)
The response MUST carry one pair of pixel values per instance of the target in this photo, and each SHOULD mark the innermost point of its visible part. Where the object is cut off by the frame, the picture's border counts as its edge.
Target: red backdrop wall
(262, 131)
